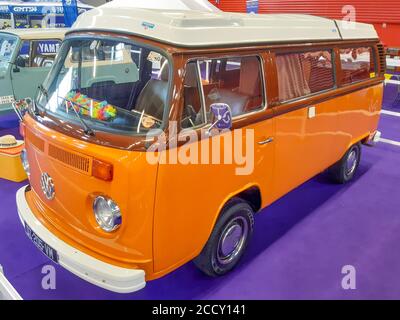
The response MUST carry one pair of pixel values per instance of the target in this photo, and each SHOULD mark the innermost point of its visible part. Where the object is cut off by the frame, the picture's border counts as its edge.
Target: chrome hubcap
(351, 162)
(232, 240)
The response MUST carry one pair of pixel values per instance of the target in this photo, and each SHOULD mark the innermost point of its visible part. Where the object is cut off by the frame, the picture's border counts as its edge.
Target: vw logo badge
(47, 184)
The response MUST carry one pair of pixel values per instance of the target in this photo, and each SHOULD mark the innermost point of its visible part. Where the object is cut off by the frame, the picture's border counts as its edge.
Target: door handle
(269, 140)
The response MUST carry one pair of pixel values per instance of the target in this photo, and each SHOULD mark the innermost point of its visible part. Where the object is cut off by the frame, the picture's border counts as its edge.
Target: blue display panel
(252, 6)
(34, 9)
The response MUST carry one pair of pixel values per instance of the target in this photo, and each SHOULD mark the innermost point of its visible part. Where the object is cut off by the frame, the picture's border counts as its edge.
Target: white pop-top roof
(192, 28)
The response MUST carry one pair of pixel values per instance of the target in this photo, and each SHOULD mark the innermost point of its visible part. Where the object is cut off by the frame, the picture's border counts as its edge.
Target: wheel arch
(360, 139)
(250, 193)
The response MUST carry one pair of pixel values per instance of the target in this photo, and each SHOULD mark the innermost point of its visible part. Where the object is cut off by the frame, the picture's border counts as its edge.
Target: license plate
(6, 99)
(41, 245)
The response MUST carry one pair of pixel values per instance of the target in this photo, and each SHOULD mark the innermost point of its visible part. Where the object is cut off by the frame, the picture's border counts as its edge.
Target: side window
(23, 55)
(357, 64)
(7, 48)
(193, 111)
(234, 81)
(44, 52)
(303, 74)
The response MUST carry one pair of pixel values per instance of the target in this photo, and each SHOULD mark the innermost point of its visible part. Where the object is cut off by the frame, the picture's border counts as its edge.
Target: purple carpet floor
(391, 127)
(391, 98)
(299, 247)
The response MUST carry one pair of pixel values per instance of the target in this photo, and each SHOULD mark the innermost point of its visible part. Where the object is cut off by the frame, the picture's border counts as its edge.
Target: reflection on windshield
(7, 47)
(116, 87)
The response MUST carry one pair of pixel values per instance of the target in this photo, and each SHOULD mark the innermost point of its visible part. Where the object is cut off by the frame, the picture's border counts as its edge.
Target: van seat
(152, 100)
(236, 101)
(248, 96)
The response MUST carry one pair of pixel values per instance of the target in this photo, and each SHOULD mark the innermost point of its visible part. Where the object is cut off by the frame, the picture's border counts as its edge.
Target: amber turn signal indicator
(102, 170)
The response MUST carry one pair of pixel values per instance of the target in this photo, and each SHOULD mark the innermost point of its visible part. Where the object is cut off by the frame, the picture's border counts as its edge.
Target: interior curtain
(292, 76)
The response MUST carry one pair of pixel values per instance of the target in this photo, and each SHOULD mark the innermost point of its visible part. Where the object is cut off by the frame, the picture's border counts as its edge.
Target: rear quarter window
(357, 64)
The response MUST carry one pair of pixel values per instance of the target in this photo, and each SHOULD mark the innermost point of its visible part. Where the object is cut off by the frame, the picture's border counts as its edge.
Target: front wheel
(344, 170)
(229, 239)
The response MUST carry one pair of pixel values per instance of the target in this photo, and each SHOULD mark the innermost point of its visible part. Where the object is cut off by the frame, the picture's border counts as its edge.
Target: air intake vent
(72, 160)
(35, 141)
(382, 59)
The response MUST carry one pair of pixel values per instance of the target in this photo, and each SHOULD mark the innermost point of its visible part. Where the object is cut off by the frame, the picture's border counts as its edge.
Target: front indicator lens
(25, 163)
(107, 214)
(102, 170)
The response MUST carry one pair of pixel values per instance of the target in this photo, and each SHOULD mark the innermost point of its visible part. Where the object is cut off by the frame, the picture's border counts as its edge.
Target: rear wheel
(344, 170)
(229, 239)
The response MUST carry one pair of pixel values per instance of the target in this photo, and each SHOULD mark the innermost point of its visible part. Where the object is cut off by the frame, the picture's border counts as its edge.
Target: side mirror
(222, 115)
(20, 62)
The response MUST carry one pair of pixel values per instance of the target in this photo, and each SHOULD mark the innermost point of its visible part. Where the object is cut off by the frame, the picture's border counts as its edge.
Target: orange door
(305, 127)
(304, 145)
(191, 195)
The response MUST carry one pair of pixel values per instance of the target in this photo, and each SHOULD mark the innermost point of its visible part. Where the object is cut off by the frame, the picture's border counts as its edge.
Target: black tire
(237, 216)
(344, 170)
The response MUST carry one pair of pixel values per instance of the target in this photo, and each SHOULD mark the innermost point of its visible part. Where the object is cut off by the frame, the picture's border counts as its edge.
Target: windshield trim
(165, 53)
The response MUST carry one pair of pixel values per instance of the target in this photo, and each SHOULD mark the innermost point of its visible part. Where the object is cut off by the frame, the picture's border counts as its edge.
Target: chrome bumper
(374, 139)
(95, 271)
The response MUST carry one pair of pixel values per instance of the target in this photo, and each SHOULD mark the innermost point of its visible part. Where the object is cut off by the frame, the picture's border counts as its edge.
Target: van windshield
(8, 44)
(114, 86)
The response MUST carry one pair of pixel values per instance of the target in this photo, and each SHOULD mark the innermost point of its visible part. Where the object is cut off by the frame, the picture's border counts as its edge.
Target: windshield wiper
(36, 110)
(89, 131)
(44, 92)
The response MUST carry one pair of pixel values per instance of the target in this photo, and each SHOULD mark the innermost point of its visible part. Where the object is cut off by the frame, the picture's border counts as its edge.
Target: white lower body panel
(95, 271)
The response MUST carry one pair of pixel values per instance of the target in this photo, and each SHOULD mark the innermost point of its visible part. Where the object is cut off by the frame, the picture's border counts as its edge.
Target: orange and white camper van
(114, 195)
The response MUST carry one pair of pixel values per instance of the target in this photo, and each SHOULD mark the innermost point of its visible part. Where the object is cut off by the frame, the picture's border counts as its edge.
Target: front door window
(193, 114)
(234, 81)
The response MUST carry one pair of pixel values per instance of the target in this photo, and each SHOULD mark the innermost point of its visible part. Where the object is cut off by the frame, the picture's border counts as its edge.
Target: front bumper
(374, 139)
(95, 271)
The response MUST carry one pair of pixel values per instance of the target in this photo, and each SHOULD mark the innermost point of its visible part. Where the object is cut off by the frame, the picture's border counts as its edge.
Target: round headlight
(107, 214)
(25, 163)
